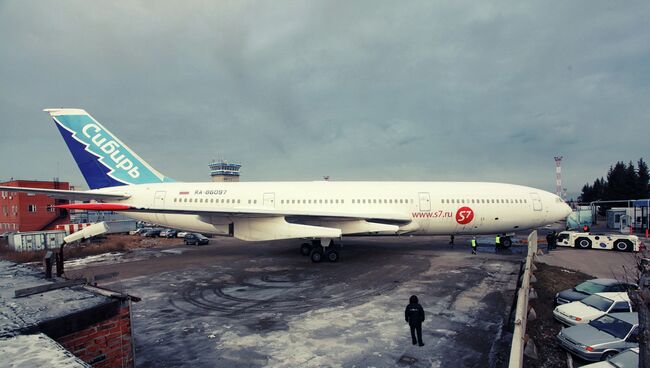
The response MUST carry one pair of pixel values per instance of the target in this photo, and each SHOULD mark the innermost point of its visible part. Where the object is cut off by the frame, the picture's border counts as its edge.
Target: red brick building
(105, 344)
(29, 212)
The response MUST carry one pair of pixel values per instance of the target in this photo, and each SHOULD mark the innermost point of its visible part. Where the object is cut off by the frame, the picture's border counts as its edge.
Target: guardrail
(519, 338)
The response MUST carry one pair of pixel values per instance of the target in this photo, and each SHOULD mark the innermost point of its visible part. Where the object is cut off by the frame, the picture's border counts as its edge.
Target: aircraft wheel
(316, 254)
(305, 249)
(332, 255)
(506, 242)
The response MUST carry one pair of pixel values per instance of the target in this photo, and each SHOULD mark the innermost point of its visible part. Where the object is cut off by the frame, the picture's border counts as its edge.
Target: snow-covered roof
(37, 350)
(24, 315)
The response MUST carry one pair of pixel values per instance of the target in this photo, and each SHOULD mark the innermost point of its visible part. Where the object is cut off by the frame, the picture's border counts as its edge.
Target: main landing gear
(317, 251)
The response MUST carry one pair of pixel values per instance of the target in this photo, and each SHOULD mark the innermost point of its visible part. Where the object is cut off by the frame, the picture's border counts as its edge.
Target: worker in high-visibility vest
(474, 245)
(497, 241)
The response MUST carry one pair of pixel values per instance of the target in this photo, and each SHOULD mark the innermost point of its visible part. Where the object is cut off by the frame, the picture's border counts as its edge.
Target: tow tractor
(580, 240)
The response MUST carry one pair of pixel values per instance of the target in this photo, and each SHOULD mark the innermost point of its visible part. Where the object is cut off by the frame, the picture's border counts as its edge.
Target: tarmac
(239, 304)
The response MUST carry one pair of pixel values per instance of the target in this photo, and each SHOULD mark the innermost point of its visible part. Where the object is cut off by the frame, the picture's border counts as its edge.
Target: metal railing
(519, 338)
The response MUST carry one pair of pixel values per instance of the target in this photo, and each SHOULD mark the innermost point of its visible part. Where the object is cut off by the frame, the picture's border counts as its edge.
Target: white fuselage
(421, 208)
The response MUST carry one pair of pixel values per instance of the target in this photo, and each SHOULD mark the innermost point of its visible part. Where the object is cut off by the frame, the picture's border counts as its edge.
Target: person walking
(414, 316)
(497, 242)
(451, 240)
(474, 245)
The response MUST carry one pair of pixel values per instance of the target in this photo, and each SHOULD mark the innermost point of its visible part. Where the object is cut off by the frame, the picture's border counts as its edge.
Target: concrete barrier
(519, 338)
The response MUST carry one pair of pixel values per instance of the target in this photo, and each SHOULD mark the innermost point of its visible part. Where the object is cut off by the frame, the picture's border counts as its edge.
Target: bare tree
(641, 300)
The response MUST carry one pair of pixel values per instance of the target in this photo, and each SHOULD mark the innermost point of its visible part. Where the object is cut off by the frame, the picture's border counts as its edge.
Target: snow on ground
(266, 315)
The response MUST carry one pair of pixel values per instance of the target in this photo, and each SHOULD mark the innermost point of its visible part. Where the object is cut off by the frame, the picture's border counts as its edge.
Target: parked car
(625, 359)
(593, 286)
(196, 239)
(139, 231)
(151, 233)
(603, 337)
(169, 233)
(182, 234)
(592, 307)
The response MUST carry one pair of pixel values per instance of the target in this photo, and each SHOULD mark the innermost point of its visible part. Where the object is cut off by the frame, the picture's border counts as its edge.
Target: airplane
(320, 211)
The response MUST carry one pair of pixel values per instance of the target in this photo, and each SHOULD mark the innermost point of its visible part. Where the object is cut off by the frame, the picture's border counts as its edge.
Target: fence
(519, 338)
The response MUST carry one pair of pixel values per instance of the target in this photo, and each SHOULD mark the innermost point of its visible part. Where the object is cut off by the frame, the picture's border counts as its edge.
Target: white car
(592, 307)
(182, 234)
(624, 359)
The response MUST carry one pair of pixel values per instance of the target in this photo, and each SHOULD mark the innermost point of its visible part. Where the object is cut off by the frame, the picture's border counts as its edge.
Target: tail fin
(102, 158)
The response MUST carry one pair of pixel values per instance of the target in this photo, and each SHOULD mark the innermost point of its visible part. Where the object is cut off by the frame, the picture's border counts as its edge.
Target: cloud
(355, 90)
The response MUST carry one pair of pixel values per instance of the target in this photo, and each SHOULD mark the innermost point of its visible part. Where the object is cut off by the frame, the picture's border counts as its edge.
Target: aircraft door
(537, 202)
(269, 200)
(159, 202)
(425, 201)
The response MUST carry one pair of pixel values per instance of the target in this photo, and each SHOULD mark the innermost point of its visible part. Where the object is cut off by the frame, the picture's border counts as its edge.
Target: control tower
(224, 171)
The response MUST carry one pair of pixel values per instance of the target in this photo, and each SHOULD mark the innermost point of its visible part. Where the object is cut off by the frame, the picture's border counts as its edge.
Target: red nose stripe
(95, 206)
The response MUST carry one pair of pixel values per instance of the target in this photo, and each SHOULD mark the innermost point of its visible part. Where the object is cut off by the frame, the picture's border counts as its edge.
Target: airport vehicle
(321, 211)
(603, 337)
(582, 240)
(628, 358)
(169, 233)
(592, 307)
(589, 287)
(196, 239)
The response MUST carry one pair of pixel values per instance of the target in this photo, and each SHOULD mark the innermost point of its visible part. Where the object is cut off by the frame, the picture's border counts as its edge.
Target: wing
(68, 194)
(269, 224)
(296, 216)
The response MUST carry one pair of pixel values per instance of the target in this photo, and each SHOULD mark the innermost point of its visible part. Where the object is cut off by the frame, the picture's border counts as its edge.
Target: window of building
(50, 208)
(31, 208)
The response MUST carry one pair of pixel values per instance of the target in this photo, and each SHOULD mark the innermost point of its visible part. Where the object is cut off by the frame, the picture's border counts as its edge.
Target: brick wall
(14, 207)
(104, 344)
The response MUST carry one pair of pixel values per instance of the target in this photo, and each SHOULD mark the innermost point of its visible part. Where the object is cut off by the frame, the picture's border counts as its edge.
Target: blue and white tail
(102, 158)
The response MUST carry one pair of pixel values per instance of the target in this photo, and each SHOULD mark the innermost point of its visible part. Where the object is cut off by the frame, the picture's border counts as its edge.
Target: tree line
(623, 182)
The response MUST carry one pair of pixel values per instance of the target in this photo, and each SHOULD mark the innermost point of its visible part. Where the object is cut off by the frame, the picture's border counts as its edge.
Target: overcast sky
(358, 90)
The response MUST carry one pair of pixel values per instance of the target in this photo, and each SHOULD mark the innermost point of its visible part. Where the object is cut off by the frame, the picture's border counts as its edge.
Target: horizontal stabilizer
(68, 194)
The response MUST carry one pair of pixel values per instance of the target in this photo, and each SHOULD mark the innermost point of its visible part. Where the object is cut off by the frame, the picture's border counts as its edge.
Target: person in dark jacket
(414, 315)
(551, 239)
